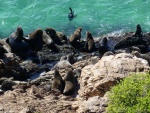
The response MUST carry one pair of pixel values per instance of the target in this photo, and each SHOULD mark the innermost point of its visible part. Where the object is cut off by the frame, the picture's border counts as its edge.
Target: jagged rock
(133, 41)
(94, 104)
(96, 80)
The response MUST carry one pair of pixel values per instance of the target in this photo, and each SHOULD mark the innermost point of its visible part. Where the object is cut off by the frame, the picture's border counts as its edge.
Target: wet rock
(133, 41)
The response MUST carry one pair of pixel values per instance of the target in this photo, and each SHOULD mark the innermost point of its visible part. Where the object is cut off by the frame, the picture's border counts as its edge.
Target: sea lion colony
(34, 42)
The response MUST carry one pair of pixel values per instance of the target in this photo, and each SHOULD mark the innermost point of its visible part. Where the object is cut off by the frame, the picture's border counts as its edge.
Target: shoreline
(94, 72)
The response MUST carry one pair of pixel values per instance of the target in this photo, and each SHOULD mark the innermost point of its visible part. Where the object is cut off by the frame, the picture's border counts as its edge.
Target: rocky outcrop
(97, 79)
(94, 78)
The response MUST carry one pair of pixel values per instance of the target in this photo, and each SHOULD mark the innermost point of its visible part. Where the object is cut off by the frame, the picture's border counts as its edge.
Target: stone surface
(96, 79)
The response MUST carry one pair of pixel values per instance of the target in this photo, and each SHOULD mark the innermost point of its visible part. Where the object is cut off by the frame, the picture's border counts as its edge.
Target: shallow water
(98, 16)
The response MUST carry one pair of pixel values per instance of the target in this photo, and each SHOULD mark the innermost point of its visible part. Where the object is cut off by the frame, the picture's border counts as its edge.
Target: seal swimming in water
(16, 41)
(75, 37)
(69, 82)
(90, 44)
(71, 14)
(58, 82)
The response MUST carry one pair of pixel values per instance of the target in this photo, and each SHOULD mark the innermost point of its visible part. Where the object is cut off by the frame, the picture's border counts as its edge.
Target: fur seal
(62, 65)
(71, 14)
(57, 37)
(70, 58)
(104, 46)
(57, 81)
(16, 41)
(143, 56)
(35, 40)
(49, 42)
(138, 31)
(90, 44)
(69, 82)
(75, 36)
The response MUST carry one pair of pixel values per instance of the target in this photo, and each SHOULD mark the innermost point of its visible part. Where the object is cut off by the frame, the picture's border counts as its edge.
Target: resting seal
(104, 46)
(69, 82)
(75, 37)
(49, 42)
(57, 37)
(35, 40)
(143, 56)
(138, 31)
(58, 82)
(90, 44)
(16, 41)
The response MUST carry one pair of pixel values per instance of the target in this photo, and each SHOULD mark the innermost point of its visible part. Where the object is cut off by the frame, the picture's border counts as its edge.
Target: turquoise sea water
(97, 16)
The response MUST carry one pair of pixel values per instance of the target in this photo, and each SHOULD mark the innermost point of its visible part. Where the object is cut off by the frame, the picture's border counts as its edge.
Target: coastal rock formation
(94, 76)
(97, 79)
(134, 41)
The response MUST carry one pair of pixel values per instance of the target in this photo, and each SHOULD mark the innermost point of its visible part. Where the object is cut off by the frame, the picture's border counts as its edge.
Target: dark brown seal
(138, 31)
(143, 56)
(103, 47)
(75, 36)
(57, 81)
(70, 58)
(35, 40)
(49, 42)
(90, 44)
(16, 41)
(57, 37)
(69, 82)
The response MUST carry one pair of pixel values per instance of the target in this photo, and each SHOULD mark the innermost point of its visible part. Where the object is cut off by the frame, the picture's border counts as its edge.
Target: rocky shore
(47, 72)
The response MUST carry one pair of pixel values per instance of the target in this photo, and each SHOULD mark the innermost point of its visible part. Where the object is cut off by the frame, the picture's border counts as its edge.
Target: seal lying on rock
(143, 56)
(57, 37)
(35, 40)
(16, 41)
(49, 42)
(70, 58)
(69, 82)
(75, 36)
(90, 44)
(58, 82)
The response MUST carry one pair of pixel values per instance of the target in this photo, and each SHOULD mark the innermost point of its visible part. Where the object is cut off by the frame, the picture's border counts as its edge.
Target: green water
(98, 16)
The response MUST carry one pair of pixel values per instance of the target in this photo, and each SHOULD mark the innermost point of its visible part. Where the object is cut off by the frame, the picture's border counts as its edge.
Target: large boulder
(97, 79)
